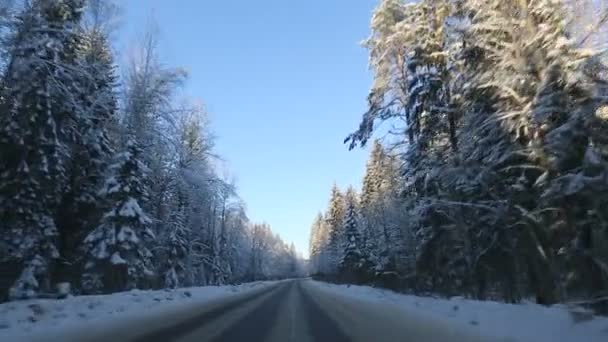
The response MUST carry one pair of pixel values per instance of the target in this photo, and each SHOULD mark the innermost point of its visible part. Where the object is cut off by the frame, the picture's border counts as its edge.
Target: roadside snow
(23, 320)
(512, 322)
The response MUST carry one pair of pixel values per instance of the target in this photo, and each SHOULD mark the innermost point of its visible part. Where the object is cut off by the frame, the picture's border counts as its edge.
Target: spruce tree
(353, 265)
(39, 110)
(117, 253)
(91, 151)
(318, 239)
(335, 226)
(177, 248)
(504, 116)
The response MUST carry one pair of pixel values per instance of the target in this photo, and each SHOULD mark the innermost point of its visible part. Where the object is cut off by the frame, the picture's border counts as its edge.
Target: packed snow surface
(31, 319)
(23, 320)
(506, 322)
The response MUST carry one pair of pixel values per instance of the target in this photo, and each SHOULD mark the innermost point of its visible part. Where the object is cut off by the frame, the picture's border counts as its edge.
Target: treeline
(109, 183)
(494, 183)
(358, 239)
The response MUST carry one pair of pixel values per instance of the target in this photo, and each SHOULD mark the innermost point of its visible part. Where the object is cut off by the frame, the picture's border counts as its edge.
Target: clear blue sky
(284, 82)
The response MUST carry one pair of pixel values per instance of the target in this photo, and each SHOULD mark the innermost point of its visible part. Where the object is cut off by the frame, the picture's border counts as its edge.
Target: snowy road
(286, 311)
(293, 311)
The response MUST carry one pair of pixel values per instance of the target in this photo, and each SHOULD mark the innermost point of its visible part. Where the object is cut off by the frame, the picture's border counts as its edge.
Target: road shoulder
(367, 320)
(129, 326)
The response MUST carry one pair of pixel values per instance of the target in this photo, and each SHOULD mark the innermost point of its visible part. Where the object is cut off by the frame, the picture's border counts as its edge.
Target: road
(296, 312)
(290, 311)
(283, 313)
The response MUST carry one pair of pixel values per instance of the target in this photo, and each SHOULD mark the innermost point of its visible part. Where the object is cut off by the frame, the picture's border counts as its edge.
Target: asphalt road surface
(291, 311)
(283, 313)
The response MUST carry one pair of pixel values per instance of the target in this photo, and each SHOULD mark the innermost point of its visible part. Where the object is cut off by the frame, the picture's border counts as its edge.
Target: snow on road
(24, 320)
(505, 322)
(363, 312)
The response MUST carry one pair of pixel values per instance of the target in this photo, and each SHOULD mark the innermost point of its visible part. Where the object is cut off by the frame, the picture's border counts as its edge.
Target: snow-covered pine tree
(116, 250)
(409, 57)
(528, 98)
(505, 79)
(380, 208)
(39, 110)
(221, 266)
(90, 152)
(259, 250)
(176, 243)
(335, 229)
(237, 242)
(318, 240)
(312, 247)
(186, 191)
(293, 263)
(567, 146)
(372, 178)
(371, 234)
(353, 265)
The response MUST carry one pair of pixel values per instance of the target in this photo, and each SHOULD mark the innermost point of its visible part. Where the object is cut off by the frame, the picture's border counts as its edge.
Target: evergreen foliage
(501, 177)
(104, 189)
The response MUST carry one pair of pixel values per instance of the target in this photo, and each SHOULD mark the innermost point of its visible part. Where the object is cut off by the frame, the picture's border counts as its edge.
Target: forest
(487, 177)
(490, 176)
(109, 180)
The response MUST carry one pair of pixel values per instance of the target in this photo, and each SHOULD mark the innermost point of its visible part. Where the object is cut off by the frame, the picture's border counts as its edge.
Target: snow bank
(512, 322)
(24, 320)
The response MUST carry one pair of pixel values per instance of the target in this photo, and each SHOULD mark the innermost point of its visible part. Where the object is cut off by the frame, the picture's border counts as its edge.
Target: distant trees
(110, 188)
(317, 244)
(498, 173)
(358, 237)
(270, 256)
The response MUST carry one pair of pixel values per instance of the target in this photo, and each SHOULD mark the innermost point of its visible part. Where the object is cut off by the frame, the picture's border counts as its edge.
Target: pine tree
(91, 152)
(293, 261)
(186, 192)
(237, 242)
(379, 208)
(372, 182)
(177, 245)
(117, 255)
(60, 126)
(527, 107)
(334, 221)
(499, 101)
(318, 241)
(353, 265)
(39, 108)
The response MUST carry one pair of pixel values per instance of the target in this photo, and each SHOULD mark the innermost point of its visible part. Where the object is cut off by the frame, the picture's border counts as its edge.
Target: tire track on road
(185, 327)
(256, 325)
(322, 327)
